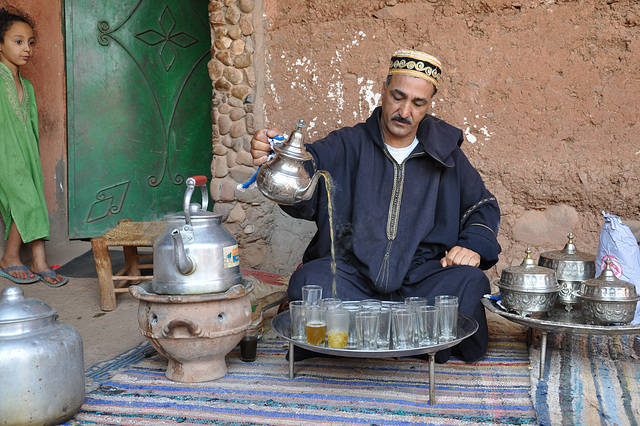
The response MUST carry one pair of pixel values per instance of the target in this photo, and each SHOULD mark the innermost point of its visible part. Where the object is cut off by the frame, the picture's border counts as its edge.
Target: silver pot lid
(15, 307)
(607, 287)
(529, 277)
(568, 253)
(569, 263)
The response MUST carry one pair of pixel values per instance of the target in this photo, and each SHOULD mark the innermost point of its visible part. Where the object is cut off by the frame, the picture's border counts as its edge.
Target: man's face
(405, 102)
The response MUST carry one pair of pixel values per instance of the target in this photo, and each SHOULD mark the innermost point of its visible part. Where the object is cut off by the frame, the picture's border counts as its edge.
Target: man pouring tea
(411, 215)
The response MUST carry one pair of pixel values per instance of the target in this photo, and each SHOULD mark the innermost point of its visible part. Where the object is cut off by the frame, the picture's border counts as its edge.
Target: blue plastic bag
(618, 244)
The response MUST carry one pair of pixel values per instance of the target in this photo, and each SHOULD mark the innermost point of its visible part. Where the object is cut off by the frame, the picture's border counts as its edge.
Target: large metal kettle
(195, 254)
(283, 178)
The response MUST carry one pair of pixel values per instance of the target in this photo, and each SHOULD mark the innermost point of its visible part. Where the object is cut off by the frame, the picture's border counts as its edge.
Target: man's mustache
(396, 117)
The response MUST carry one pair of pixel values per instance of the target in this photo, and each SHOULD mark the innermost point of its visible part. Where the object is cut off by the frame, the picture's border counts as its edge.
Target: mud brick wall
(545, 92)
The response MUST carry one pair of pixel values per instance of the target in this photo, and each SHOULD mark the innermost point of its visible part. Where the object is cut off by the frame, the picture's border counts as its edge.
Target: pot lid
(607, 287)
(528, 266)
(15, 307)
(529, 277)
(195, 212)
(568, 253)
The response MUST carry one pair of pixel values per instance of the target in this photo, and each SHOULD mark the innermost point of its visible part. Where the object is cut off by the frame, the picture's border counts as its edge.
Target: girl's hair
(8, 18)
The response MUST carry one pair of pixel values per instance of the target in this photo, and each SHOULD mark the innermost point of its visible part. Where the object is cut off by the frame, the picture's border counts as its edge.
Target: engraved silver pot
(572, 267)
(528, 288)
(607, 300)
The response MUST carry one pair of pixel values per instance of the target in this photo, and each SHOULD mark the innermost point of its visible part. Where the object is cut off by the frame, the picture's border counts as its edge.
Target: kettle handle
(192, 182)
(193, 328)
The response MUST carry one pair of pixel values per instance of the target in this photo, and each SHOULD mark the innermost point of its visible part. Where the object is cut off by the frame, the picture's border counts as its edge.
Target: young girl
(22, 203)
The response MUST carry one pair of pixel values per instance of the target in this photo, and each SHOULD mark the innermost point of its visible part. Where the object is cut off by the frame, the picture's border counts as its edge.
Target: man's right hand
(260, 146)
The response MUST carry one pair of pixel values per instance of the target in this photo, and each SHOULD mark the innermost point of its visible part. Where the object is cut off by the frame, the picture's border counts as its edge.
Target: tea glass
(367, 327)
(316, 325)
(311, 294)
(447, 317)
(337, 327)
(403, 329)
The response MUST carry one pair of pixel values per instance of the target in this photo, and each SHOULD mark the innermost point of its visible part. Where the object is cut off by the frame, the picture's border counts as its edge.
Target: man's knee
(473, 279)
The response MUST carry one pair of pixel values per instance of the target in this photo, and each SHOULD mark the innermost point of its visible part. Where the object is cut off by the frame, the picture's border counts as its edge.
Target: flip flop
(53, 275)
(5, 273)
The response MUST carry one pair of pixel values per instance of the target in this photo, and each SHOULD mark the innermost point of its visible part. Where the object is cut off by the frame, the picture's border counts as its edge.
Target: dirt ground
(545, 92)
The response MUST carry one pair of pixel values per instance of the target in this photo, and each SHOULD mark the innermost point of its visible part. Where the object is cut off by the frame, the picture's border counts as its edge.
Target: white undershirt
(400, 154)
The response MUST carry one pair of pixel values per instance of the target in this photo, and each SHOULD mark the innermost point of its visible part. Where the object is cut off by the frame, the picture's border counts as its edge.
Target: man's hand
(460, 256)
(260, 146)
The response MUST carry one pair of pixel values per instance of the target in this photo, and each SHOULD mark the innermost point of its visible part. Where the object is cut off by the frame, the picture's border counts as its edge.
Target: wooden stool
(130, 235)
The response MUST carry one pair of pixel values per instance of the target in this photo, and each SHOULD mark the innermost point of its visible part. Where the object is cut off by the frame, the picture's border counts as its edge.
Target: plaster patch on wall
(367, 95)
(469, 134)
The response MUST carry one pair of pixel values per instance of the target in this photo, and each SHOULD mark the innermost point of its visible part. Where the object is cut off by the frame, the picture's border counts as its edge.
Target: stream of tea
(327, 184)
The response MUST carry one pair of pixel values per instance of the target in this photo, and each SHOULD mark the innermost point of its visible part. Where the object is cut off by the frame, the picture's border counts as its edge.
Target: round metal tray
(466, 327)
(561, 321)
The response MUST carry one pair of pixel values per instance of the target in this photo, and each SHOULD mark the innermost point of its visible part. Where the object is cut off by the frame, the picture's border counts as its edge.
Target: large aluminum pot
(41, 363)
(195, 254)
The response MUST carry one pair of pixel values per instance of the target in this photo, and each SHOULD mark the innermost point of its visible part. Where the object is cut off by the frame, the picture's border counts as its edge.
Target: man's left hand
(460, 256)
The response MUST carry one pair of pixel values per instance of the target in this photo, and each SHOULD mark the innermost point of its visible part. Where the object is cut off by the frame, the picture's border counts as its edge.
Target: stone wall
(544, 90)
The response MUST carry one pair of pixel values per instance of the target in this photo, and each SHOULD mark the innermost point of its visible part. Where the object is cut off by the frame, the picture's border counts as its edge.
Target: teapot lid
(15, 307)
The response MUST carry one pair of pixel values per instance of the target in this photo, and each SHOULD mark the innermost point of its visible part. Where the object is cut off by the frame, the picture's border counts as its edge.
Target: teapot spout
(306, 193)
(185, 264)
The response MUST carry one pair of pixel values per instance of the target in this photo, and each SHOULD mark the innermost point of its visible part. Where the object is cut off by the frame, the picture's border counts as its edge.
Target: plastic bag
(618, 244)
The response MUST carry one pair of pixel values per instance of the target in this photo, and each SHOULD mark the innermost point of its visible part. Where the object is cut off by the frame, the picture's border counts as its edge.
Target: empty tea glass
(428, 328)
(353, 307)
(311, 294)
(298, 323)
(447, 317)
(413, 303)
(384, 327)
(367, 327)
(402, 326)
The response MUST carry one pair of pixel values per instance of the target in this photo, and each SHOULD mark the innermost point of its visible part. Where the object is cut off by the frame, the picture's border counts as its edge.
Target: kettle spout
(306, 193)
(185, 264)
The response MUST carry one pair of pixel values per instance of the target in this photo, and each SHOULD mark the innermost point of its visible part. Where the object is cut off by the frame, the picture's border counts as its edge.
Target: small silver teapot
(283, 178)
(195, 254)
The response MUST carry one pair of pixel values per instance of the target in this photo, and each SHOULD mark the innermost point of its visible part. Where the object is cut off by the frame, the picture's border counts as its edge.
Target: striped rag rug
(590, 380)
(344, 391)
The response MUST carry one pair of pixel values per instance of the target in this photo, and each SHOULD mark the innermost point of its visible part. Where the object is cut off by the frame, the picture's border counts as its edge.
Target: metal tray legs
(432, 372)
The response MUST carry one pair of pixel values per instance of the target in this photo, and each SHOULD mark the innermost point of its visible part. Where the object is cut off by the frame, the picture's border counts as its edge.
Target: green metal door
(139, 108)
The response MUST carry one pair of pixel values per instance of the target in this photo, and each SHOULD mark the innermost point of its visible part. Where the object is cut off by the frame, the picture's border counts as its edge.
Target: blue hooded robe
(393, 222)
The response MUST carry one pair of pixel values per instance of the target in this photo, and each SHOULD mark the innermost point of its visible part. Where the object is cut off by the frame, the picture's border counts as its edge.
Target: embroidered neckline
(20, 109)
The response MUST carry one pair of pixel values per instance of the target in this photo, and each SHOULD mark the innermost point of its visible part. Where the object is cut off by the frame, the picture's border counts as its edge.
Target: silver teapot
(283, 178)
(195, 254)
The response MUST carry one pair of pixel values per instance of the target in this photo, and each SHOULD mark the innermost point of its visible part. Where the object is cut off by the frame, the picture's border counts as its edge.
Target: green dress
(21, 182)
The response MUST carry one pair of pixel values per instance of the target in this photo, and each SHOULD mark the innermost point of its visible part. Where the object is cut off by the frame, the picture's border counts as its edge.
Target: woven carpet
(132, 389)
(591, 380)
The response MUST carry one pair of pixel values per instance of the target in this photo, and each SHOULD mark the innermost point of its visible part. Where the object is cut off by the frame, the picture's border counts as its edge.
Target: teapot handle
(192, 182)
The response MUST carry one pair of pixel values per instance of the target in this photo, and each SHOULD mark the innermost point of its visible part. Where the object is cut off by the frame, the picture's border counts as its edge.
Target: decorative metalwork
(167, 39)
(109, 201)
(167, 51)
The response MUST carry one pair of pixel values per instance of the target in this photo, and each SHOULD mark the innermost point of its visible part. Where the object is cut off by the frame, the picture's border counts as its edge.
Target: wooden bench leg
(105, 273)
(131, 260)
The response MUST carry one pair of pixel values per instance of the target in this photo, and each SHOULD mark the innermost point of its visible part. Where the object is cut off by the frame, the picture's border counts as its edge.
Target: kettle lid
(195, 212)
(15, 307)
